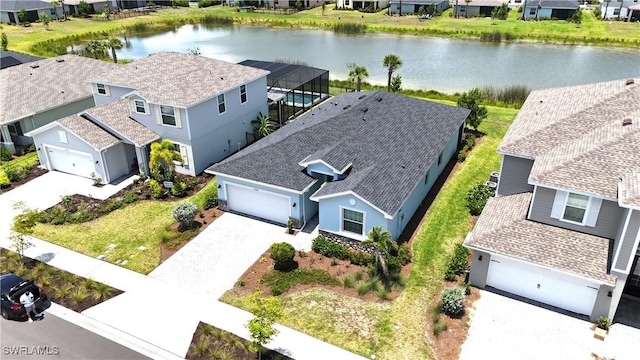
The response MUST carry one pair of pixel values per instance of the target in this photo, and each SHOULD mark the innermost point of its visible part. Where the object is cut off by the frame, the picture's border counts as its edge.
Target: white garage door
(543, 285)
(71, 162)
(260, 203)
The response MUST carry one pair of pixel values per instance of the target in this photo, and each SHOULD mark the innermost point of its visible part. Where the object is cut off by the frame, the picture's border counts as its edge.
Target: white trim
(62, 137)
(624, 232)
(533, 198)
(503, 153)
(226, 194)
(593, 211)
(252, 181)
(559, 204)
(42, 128)
(224, 103)
(50, 167)
(575, 191)
(246, 94)
(341, 226)
(53, 124)
(107, 91)
(320, 161)
(499, 177)
(145, 106)
(348, 192)
(215, 96)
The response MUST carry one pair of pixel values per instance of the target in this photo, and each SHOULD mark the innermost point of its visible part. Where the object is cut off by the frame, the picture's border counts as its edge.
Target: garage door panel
(541, 284)
(257, 202)
(71, 162)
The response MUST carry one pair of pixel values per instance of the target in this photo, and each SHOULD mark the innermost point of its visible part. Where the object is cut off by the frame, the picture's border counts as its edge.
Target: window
(182, 150)
(346, 2)
(168, 115)
(576, 207)
(243, 94)
(221, 107)
(62, 136)
(140, 106)
(102, 89)
(439, 159)
(616, 11)
(15, 129)
(352, 221)
(532, 11)
(53, 12)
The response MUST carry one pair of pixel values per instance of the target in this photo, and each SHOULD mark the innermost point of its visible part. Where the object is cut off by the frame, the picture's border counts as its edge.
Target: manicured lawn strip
(591, 31)
(26, 160)
(321, 313)
(143, 223)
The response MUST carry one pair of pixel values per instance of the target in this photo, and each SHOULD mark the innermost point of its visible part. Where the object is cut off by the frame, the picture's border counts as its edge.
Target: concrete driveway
(506, 328)
(216, 258)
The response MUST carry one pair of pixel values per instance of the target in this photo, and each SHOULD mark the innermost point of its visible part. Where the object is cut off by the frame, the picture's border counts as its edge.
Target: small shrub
(328, 248)
(156, 190)
(210, 198)
(459, 262)
(185, 213)
(452, 301)
(5, 154)
(130, 197)
(240, 283)
(302, 253)
(439, 327)
(349, 282)
(113, 204)
(179, 189)
(467, 288)
(4, 181)
(603, 323)
(361, 258)
(278, 288)
(477, 198)
(334, 262)
(290, 226)
(283, 254)
(14, 173)
(97, 180)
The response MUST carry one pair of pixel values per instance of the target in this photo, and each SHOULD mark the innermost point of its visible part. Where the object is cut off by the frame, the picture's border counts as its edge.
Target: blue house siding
(115, 160)
(330, 210)
(114, 93)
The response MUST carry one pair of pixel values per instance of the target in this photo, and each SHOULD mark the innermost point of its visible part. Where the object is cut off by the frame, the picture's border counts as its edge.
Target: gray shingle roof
(27, 90)
(629, 190)
(503, 229)
(391, 140)
(576, 137)
(495, 3)
(115, 116)
(17, 5)
(89, 132)
(179, 79)
(558, 4)
(418, 2)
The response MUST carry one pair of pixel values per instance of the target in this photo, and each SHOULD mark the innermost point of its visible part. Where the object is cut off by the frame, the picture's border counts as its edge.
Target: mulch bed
(33, 173)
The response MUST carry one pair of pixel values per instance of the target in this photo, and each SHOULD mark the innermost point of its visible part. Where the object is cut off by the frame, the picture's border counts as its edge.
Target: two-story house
(563, 228)
(357, 161)
(204, 106)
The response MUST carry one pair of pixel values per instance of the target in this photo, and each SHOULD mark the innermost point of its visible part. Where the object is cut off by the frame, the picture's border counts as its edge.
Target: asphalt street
(55, 338)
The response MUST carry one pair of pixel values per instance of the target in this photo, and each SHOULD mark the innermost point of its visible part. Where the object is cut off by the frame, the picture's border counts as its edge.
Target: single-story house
(9, 10)
(95, 6)
(476, 8)
(413, 6)
(358, 160)
(620, 10)
(550, 9)
(361, 4)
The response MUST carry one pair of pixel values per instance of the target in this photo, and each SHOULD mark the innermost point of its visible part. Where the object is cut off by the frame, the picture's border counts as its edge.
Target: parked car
(12, 287)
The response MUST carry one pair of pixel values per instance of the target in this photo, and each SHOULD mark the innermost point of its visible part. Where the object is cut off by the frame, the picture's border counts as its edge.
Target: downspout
(104, 167)
(304, 217)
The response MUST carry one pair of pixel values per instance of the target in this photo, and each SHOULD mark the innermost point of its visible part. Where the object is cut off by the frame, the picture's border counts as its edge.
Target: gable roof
(12, 58)
(390, 139)
(576, 135)
(17, 5)
(89, 132)
(179, 79)
(504, 230)
(38, 86)
(115, 116)
(629, 190)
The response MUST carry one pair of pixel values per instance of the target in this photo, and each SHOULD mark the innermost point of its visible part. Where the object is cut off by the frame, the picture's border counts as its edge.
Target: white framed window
(532, 11)
(140, 106)
(168, 115)
(62, 136)
(576, 208)
(243, 94)
(221, 106)
(182, 149)
(352, 221)
(102, 89)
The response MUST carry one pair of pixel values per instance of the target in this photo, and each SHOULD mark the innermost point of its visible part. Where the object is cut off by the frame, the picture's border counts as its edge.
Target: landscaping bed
(61, 287)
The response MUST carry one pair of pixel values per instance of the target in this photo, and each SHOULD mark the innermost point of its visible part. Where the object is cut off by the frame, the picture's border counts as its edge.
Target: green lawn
(144, 223)
(591, 31)
(367, 328)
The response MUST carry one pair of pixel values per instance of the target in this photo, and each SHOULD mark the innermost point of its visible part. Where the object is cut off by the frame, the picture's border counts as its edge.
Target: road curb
(111, 333)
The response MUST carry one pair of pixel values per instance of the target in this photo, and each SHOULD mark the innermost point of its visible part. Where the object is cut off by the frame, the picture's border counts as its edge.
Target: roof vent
(34, 66)
(59, 60)
(378, 99)
(364, 110)
(626, 122)
(362, 97)
(346, 107)
(630, 82)
(221, 78)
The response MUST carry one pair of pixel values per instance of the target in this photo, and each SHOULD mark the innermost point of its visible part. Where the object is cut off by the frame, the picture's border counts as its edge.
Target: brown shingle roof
(27, 90)
(115, 116)
(180, 79)
(88, 131)
(504, 230)
(629, 189)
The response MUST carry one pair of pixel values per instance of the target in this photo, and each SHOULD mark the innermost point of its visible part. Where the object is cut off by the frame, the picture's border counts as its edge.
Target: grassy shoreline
(36, 40)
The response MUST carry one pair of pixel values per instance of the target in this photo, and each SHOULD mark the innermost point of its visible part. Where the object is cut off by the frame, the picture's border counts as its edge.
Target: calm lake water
(441, 64)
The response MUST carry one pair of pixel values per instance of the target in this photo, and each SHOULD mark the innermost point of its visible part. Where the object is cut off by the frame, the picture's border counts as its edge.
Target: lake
(442, 64)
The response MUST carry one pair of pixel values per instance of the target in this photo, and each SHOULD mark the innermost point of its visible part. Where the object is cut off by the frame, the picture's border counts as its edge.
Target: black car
(12, 287)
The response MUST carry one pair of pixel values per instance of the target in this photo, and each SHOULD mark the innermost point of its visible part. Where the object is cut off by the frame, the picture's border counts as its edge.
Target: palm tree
(357, 73)
(604, 16)
(95, 48)
(262, 126)
(466, 8)
(383, 243)
(392, 62)
(113, 44)
(455, 10)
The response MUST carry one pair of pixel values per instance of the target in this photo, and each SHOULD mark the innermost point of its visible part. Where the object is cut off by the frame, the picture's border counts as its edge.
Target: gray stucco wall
(479, 268)
(514, 175)
(116, 162)
(602, 304)
(627, 249)
(609, 218)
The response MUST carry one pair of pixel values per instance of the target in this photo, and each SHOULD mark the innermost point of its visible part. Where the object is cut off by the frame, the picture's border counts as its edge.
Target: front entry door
(632, 286)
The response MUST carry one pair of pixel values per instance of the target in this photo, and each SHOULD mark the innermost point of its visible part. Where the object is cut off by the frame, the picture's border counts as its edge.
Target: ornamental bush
(178, 189)
(477, 198)
(452, 301)
(184, 213)
(282, 253)
(156, 189)
(328, 248)
(458, 264)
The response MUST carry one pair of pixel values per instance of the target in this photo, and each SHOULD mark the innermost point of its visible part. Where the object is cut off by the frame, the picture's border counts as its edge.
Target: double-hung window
(102, 89)
(243, 94)
(221, 106)
(352, 221)
(575, 208)
(140, 107)
(168, 115)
